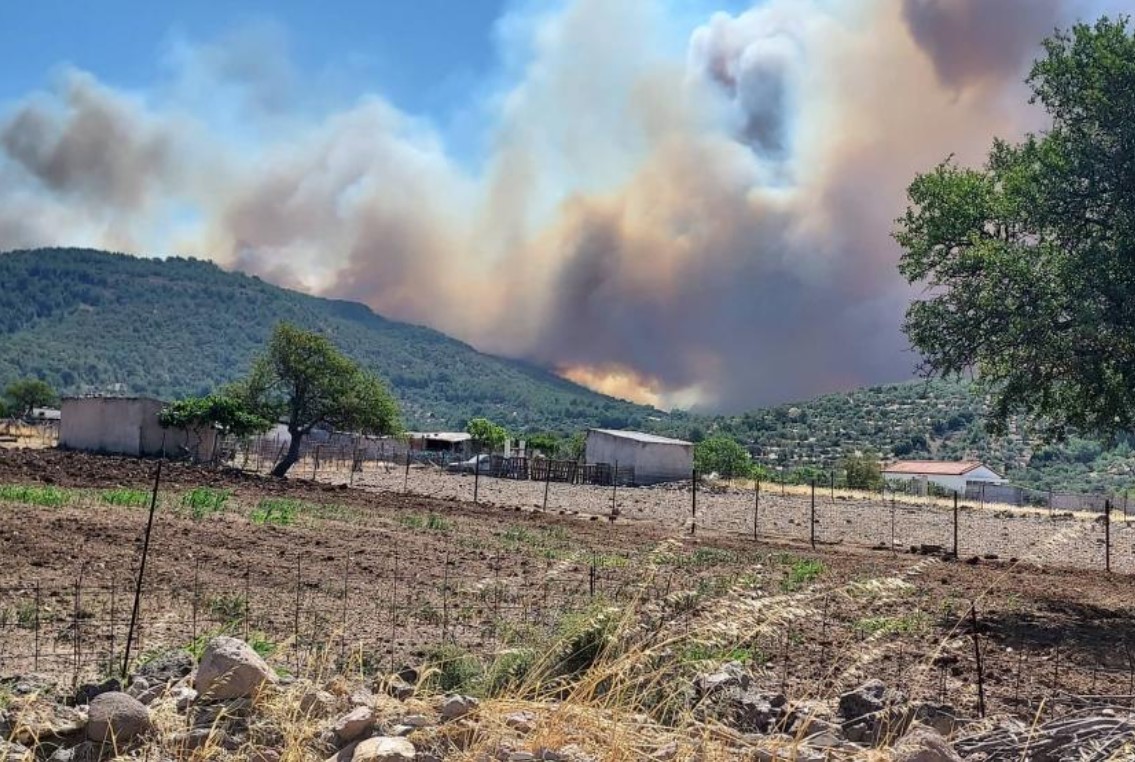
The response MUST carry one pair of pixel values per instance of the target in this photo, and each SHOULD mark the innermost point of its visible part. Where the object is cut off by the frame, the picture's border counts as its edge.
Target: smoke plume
(699, 226)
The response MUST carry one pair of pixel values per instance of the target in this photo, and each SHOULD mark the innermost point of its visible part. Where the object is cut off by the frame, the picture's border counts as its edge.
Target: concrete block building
(128, 426)
(654, 459)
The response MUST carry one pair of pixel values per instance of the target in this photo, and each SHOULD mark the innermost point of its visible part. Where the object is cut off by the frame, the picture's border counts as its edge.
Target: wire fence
(822, 647)
(986, 522)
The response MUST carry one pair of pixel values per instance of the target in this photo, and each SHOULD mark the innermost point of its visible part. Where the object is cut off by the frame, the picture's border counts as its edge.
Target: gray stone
(205, 738)
(231, 669)
(454, 707)
(183, 697)
(730, 675)
(924, 745)
(354, 725)
(10, 751)
(166, 667)
(361, 697)
(138, 687)
(117, 718)
(384, 749)
(152, 694)
(398, 688)
(89, 691)
(521, 722)
(317, 704)
(419, 721)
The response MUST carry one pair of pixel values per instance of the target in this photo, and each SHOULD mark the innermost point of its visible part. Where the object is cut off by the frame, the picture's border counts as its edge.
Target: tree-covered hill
(940, 420)
(92, 321)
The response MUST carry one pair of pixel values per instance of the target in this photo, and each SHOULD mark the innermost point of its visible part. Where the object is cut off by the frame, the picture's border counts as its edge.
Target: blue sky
(420, 54)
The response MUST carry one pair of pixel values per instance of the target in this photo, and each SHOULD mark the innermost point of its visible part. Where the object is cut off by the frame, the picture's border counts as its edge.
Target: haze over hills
(92, 321)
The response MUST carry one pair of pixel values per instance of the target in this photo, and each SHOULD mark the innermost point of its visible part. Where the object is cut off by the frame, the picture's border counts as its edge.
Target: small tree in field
(486, 434)
(863, 472)
(304, 379)
(29, 393)
(722, 455)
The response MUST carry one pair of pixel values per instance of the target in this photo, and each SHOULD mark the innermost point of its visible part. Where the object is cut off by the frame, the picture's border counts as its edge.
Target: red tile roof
(932, 467)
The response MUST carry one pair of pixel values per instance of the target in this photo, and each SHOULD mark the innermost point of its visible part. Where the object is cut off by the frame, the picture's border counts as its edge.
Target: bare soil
(366, 575)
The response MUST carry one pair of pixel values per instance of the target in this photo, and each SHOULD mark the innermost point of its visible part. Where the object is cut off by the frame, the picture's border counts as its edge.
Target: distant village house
(953, 476)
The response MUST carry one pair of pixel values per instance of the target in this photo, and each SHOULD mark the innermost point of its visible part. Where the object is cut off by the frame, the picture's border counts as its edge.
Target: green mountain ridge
(89, 321)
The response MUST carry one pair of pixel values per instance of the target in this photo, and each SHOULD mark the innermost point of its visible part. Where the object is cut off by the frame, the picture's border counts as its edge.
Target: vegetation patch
(205, 501)
(427, 523)
(278, 511)
(33, 494)
(131, 498)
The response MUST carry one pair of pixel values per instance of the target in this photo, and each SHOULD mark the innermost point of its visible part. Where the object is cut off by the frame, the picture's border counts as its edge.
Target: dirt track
(488, 564)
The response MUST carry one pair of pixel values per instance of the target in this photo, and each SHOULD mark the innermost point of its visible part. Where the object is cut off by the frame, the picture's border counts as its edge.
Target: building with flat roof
(129, 426)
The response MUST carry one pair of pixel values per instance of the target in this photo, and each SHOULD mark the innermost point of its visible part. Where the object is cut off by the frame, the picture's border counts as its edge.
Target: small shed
(457, 442)
(949, 475)
(128, 426)
(654, 459)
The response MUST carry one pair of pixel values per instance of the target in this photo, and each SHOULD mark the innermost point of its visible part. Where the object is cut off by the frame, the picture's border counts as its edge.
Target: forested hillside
(91, 321)
(939, 420)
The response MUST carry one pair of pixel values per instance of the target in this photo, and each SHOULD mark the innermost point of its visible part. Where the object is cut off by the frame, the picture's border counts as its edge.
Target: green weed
(800, 572)
(430, 523)
(278, 511)
(205, 501)
(51, 497)
(132, 498)
(229, 607)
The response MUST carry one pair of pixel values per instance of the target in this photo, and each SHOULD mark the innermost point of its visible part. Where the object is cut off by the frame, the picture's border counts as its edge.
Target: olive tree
(1028, 263)
(303, 379)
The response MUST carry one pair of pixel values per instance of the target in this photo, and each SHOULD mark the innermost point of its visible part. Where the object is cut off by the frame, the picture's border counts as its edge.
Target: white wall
(652, 461)
(127, 426)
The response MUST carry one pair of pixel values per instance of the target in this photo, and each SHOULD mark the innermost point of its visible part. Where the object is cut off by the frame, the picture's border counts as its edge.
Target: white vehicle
(480, 463)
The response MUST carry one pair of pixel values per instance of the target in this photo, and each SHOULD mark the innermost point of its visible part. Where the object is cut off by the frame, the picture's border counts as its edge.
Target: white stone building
(653, 458)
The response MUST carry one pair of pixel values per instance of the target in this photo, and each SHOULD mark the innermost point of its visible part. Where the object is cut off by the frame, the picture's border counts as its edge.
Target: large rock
(117, 718)
(384, 749)
(924, 745)
(231, 669)
(354, 725)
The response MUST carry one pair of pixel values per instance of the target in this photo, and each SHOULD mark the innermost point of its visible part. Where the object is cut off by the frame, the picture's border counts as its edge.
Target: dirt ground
(377, 579)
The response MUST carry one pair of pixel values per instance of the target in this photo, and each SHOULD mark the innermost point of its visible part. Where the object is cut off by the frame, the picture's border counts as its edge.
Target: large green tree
(486, 434)
(305, 380)
(225, 412)
(1029, 262)
(29, 393)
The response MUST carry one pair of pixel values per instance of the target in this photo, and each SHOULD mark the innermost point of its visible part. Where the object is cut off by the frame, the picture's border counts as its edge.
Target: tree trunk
(293, 455)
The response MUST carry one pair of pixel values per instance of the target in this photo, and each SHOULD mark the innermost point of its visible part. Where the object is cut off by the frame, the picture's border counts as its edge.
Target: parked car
(480, 463)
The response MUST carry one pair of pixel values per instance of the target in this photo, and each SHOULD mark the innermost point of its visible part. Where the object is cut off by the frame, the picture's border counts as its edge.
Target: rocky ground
(233, 705)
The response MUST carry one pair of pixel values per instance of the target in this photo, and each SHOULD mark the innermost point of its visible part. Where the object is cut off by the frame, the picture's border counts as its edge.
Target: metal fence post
(141, 573)
(477, 477)
(1107, 534)
(812, 523)
(615, 491)
(694, 503)
(756, 506)
(547, 481)
(955, 523)
(406, 479)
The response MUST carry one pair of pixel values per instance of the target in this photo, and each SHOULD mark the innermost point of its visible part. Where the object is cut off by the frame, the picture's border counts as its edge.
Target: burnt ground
(377, 579)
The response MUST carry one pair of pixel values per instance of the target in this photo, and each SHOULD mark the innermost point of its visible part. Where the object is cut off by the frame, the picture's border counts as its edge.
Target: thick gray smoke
(708, 228)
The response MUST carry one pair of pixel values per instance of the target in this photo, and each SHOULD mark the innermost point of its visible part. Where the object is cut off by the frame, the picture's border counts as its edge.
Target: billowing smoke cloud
(702, 226)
